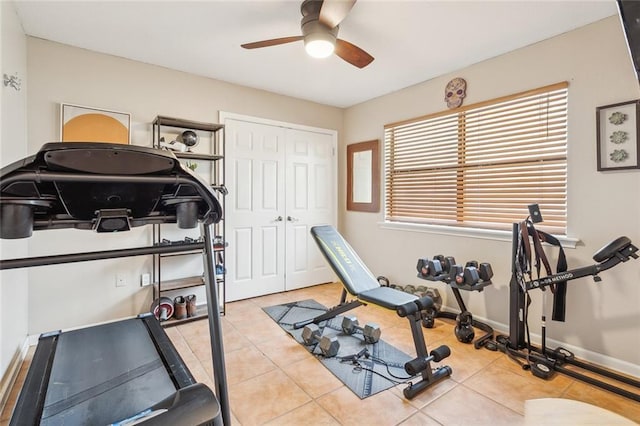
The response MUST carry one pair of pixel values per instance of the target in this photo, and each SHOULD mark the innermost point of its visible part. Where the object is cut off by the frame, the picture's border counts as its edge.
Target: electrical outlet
(121, 280)
(145, 280)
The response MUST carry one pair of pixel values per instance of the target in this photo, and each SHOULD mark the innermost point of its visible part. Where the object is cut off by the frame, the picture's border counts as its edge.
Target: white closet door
(310, 200)
(255, 226)
(281, 182)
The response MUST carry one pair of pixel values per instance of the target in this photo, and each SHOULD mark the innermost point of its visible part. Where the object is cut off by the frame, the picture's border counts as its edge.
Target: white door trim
(224, 115)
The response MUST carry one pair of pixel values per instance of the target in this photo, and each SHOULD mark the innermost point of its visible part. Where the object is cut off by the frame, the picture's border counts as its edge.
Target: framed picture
(363, 177)
(617, 135)
(87, 124)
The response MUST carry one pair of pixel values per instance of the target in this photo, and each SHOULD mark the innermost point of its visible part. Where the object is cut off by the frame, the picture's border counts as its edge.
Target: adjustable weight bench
(358, 281)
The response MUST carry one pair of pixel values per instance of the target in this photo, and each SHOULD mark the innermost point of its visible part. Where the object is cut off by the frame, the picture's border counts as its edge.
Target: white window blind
(481, 165)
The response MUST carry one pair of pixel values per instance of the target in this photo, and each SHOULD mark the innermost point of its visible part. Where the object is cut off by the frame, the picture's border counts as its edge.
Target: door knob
(291, 219)
(278, 219)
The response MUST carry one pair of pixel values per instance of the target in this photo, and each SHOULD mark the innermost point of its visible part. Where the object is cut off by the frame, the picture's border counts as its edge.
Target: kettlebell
(429, 318)
(464, 328)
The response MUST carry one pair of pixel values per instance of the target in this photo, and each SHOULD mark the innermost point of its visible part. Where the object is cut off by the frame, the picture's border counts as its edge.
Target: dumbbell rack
(464, 313)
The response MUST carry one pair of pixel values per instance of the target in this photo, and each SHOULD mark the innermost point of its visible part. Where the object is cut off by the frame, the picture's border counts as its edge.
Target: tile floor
(273, 380)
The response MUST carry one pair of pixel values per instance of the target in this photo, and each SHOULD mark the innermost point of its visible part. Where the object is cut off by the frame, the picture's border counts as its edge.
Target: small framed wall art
(87, 124)
(618, 145)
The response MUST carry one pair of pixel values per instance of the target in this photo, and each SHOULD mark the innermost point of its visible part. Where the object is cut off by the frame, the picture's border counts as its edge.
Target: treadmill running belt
(104, 374)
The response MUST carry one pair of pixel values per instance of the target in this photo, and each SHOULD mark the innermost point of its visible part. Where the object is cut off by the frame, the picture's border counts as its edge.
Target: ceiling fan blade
(272, 42)
(334, 11)
(352, 54)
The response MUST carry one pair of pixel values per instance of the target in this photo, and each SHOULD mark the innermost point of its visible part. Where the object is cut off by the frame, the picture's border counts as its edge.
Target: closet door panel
(255, 217)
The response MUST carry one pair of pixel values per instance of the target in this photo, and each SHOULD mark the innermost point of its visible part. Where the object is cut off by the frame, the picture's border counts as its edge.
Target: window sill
(486, 234)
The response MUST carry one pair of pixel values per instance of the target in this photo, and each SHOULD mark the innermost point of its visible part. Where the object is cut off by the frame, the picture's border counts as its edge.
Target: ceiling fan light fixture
(320, 25)
(319, 44)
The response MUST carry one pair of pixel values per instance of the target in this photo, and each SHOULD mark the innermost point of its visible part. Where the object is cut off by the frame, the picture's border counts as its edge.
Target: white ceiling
(412, 41)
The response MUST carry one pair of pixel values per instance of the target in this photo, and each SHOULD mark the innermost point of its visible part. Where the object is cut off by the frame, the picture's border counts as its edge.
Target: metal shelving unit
(208, 153)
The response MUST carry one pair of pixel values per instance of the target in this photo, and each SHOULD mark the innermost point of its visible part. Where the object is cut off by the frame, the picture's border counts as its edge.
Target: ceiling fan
(320, 24)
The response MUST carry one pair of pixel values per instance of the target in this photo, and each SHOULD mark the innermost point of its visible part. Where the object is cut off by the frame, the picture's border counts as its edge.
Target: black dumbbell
(409, 288)
(434, 266)
(370, 331)
(430, 267)
(422, 266)
(420, 290)
(329, 346)
(456, 274)
(464, 276)
(449, 261)
(485, 271)
(471, 275)
(434, 294)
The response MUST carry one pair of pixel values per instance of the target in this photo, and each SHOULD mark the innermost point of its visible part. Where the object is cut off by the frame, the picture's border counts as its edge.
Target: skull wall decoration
(455, 92)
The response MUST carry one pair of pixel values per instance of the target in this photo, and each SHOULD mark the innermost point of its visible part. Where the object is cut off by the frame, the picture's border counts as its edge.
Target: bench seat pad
(387, 297)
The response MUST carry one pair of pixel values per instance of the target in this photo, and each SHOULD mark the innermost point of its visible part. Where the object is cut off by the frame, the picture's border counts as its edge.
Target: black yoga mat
(366, 375)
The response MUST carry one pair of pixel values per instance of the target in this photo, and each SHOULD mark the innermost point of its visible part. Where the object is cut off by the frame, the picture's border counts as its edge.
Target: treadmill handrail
(96, 255)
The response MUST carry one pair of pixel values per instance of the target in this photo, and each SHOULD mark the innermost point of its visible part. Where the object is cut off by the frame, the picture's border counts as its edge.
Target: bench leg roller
(414, 389)
(425, 302)
(407, 309)
(418, 365)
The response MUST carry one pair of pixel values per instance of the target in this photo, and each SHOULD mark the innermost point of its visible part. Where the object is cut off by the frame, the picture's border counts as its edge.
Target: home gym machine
(125, 371)
(542, 361)
(472, 277)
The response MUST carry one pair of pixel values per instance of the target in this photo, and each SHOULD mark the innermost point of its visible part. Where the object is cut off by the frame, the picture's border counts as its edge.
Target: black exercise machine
(472, 277)
(542, 361)
(358, 281)
(125, 370)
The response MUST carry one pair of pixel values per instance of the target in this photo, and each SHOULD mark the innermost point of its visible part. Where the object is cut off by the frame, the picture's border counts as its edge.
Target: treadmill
(127, 371)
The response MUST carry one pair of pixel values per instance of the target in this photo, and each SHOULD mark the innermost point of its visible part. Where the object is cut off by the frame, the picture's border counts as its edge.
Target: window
(481, 165)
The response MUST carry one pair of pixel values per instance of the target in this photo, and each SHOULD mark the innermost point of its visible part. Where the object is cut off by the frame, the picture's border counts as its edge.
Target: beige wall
(601, 318)
(72, 295)
(13, 121)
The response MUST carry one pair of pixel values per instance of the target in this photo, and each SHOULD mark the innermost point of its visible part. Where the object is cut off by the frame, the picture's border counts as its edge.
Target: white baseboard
(33, 339)
(596, 358)
(9, 377)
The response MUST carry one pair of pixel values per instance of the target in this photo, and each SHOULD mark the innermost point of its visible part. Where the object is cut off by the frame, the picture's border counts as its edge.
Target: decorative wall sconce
(12, 81)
